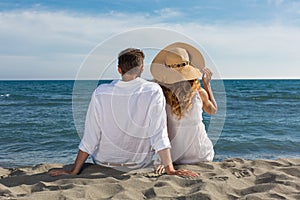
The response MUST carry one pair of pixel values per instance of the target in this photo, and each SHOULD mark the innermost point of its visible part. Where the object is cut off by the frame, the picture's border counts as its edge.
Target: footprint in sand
(228, 164)
(241, 173)
(219, 178)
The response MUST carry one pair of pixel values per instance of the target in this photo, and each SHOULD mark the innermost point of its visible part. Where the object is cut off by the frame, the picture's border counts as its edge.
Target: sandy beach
(230, 179)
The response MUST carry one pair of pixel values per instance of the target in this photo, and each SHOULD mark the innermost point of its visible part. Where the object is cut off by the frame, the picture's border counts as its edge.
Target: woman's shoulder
(202, 92)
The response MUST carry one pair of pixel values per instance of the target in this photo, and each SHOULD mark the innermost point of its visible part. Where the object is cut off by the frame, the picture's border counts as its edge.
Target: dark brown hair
(129, 59)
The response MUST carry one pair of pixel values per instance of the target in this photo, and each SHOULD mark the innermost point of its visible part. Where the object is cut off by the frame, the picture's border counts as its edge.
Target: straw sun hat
(177, 62)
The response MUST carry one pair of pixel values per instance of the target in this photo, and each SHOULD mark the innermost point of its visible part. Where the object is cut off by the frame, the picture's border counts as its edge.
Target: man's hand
(57, 172)
(159, 169)
(184, 172)
(80, 160)
(181, 172)
(165, 157)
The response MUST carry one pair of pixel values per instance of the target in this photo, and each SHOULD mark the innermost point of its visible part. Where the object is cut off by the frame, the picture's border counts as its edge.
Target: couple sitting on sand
(131, 120)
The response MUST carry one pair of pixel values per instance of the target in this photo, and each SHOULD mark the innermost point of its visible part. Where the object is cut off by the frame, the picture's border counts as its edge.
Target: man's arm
(166, 160)
(80, 160)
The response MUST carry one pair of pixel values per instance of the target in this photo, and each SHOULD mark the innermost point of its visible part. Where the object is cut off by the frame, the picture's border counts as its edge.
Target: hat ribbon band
(179, 65)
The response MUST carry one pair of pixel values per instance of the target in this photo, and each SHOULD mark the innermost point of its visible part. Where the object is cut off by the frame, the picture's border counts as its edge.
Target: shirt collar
(134, 82)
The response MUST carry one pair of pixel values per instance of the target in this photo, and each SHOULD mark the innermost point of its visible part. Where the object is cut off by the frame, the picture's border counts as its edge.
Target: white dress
(189, 141)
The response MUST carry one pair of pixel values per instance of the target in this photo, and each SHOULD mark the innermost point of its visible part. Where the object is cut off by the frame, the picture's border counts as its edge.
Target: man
(126, 122)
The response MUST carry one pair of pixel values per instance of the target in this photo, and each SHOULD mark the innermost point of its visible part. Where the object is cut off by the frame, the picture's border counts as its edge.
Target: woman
(177, 69)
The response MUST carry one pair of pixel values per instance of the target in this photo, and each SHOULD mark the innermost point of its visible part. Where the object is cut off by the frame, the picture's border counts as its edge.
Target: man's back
(129, 119)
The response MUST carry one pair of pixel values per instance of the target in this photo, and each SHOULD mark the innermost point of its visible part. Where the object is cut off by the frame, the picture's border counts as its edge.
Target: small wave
(23, 97)
(4, 95)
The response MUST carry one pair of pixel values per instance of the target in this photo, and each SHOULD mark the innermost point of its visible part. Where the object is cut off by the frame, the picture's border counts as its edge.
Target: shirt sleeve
(92, 132)
(158, 123)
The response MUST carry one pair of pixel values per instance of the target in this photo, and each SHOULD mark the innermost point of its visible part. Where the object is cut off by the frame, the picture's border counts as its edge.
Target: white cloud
(57, 39)
(53, 44)
(252, 51)
(168, 13)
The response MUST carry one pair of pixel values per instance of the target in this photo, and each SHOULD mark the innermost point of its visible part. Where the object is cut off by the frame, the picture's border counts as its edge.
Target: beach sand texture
(230, 179)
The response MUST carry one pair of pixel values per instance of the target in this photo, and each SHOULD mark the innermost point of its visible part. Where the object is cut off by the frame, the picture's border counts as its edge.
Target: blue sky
(245, 38)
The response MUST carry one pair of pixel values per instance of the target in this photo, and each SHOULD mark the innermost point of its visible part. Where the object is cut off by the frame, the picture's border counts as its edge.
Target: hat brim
(169, 75)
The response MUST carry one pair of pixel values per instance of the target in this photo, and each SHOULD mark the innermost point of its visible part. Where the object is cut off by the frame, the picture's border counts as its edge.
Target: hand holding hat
(206, 77)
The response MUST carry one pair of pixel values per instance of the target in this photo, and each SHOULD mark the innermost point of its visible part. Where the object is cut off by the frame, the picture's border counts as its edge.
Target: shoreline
(233, 178)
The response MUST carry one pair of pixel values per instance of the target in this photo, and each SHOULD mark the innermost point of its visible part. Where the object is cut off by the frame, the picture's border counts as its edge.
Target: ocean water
(37, 126)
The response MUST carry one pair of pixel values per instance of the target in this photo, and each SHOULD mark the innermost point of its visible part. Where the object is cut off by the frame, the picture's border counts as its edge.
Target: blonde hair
(179, 95)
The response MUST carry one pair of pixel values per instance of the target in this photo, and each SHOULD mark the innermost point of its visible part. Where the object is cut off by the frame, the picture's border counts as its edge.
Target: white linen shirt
(125, 123)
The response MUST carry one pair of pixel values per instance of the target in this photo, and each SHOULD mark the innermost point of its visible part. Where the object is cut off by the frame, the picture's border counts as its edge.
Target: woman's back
(189, 140)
